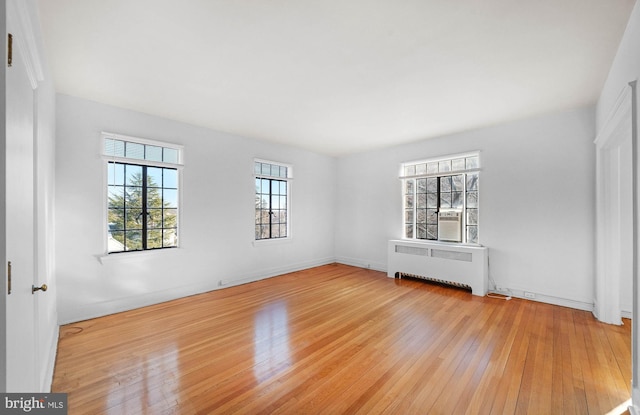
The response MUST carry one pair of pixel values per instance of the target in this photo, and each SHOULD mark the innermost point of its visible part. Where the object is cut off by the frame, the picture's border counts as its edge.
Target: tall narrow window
(440, 199)
(142, 194)
(272, 200)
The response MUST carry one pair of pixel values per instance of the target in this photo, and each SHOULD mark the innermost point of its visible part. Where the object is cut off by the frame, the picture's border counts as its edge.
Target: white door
(20, 325)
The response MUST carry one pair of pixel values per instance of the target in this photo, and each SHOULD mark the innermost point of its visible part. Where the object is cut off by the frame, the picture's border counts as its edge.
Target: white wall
(537, 203)
(217, 216)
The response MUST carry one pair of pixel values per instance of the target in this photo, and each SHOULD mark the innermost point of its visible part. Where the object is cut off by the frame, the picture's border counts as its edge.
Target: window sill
(443, 243)
(134, 256)
(268, 242)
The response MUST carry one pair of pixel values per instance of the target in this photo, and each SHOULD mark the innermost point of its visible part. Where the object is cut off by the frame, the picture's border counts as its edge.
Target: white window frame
(426, 171)
(107, 158)
(288, 178)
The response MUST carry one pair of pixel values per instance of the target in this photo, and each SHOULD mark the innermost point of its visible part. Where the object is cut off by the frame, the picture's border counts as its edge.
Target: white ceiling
(335, 76)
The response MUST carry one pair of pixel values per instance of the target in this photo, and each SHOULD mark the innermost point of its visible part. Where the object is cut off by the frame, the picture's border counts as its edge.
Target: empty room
(320, 207)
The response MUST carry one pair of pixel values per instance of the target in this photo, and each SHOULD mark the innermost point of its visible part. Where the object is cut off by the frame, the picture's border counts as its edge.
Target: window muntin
(142, 194)
(271, 200)
(436, 185)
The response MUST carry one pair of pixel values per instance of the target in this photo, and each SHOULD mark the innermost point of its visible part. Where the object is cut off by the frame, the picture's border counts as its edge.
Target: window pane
(472, 162)
(154, 197)
(432, 184)
(283, 216)
(116, 196)
(170, 198)
(472, 199)
(133, 197)
(422, 200)
(457, 164)
(133, 219)
(154, 177)
(457, 183)
(422, 231)
(275, 231)
(283, 171)
(408, 216)
(170, 218)
(266, 169)
(134, 150)
(115, 173)
(472, 234)
(445, 184)
(457, 200)
(408, 231)
(169, 238)
(421, 168)
(275, 171)
(114, 147)
(257, 167)
(153, 153)
(283, 188)
(154, 219)
(170, 155)
(432, 232)
(432, 216)
(154, 239)
(283, 230)
(170, 178)
(444, 166)
(445, 200)
(422, 216)
(408, 201)
(472, 181)
(133, 240)
(116, 219)
(115, 242)
(432, 168)
(410, 170)
(432, 200)
(422, 185)
(266, 186)
(408, 187)
(472, 216)
(134, 175)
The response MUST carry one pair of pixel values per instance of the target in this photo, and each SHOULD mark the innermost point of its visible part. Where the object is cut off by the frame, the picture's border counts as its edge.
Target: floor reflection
(152, 381)
(271, 341)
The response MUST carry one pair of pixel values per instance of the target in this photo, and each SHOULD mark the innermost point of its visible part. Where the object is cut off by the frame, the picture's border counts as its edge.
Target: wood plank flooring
(338, 339)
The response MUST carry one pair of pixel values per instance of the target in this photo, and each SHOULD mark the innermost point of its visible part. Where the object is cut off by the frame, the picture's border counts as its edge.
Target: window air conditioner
(450, 226)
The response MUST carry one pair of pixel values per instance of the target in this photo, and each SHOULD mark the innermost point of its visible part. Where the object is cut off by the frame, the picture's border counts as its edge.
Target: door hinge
(10, 50)
(8, 277)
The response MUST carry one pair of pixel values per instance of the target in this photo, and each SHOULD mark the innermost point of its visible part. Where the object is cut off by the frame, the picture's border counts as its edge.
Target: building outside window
(440, 199)
(272, 200)
(142, 193)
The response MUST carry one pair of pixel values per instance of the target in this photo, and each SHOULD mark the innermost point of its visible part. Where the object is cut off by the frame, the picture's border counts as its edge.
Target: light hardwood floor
(338, 339)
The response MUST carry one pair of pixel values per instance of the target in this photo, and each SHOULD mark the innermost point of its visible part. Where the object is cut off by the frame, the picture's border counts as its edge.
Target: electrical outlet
(501, 289)
(529, 295)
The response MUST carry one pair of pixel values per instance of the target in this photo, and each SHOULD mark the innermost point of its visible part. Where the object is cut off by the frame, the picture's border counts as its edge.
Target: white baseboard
(118, 305)
(362, 263)
(548, 299)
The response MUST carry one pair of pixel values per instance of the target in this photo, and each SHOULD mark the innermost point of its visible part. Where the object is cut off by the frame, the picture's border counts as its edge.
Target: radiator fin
(422, 277)
(454, 255)
(412, 250)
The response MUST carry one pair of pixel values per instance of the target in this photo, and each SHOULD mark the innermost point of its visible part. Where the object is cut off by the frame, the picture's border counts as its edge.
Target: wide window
(142, 194)
(272, 200)
(440, 199)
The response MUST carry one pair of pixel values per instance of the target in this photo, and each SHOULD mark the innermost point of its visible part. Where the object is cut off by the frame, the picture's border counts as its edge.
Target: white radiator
(461, 265)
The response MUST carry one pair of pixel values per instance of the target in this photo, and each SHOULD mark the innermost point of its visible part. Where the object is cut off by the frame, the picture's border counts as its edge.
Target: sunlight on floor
(620, 409)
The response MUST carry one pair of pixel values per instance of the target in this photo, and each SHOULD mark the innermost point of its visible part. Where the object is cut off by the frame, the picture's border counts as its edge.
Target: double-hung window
(439, 193)
(272, 200)
(142, 193)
